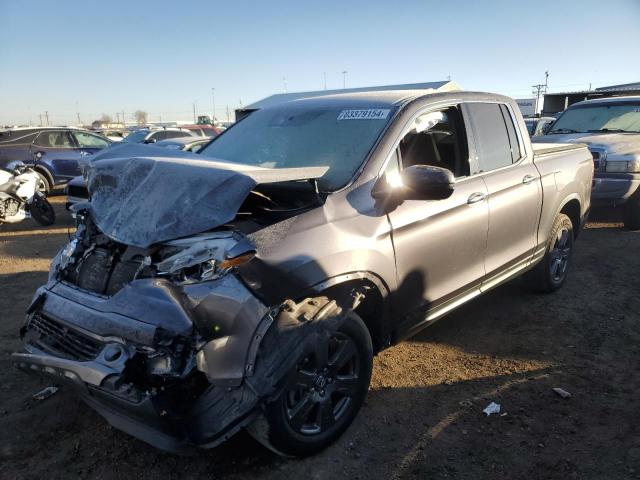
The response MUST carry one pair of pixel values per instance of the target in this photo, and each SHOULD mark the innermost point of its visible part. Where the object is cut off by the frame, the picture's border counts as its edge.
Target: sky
(164, 57)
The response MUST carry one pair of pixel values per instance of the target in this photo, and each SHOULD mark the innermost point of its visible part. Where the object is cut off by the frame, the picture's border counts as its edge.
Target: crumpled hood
(615, 144)
(144, 200)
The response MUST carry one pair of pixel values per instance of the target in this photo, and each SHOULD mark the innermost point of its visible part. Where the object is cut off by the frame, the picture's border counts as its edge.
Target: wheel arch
(45, 171)
(571, 208)
(367, 295)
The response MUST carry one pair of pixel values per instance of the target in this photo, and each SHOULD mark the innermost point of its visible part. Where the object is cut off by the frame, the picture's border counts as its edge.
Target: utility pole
(124, 124)
(541, 89)
(40, 116)
(213, 103)
(194, 112)
(344, 79)
(227, 113)
(46, 115)
(324, 77)
(78, 113)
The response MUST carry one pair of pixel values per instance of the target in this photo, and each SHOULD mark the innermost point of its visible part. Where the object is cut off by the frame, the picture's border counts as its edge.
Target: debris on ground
(492, 408)
(46, 393)
(563, 393)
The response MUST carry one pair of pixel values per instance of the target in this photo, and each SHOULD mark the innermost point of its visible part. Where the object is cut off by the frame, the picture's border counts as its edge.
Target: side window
(175, 134)
(511, 131)
(54, 139)
(88, 140)
(159, 136)
(493, 144)
(438, 139)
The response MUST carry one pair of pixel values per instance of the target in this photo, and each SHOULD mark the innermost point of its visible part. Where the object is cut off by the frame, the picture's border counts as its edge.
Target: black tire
(42, 211)
(43, 186)
(323, 395)
(631, 212)
(551, 272)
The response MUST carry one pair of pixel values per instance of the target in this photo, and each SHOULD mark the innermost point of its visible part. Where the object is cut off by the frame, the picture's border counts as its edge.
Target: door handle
(528, 179)
(84, 154)
(476, 197)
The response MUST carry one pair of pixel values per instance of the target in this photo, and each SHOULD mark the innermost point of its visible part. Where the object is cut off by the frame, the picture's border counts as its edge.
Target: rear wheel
(43, 186)
(551, 272)
(323, 393)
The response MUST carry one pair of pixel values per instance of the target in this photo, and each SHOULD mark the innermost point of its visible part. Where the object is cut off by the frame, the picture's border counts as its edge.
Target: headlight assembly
(632, 166)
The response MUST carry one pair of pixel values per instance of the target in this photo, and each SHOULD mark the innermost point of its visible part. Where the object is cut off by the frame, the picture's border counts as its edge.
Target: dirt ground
(423, 415)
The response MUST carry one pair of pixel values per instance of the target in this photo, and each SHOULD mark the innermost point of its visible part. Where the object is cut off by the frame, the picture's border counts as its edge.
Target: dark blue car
(54, 152)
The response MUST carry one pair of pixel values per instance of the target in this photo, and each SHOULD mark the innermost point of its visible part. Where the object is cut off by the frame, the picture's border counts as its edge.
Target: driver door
(439, 244)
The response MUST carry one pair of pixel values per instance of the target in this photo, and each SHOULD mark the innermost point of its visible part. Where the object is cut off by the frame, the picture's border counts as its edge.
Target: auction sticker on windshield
(365, 114)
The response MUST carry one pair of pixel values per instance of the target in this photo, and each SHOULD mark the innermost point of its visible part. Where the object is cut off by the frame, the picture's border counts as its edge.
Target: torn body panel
(193, 413)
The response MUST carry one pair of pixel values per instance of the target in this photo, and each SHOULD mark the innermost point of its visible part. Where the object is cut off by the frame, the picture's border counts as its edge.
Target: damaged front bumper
(166, 364)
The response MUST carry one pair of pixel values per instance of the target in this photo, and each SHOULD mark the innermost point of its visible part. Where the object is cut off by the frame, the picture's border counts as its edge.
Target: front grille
(77, 191)
(56, 338)
(598, 160)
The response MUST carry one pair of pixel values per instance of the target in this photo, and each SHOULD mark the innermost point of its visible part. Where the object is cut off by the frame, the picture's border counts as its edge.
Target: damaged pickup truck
(251, 285)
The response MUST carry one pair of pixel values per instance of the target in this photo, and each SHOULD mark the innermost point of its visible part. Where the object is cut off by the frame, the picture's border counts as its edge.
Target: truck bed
(549, 148)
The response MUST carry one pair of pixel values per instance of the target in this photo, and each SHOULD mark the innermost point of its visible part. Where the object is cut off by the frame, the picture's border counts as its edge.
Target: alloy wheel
(321, 390)
(560, 252)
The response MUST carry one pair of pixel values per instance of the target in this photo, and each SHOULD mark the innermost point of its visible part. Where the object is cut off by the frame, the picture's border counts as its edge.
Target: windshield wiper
(564, 130)
(611, 130)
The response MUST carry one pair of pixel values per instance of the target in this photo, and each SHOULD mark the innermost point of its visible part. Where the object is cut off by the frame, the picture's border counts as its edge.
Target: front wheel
(551, 272)
(42, 211)
(323, 393)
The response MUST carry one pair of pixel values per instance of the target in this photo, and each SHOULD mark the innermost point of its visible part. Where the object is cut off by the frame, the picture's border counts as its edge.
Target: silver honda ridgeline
(251, 285)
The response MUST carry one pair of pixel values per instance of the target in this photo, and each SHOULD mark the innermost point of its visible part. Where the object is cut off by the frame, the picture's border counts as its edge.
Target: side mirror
(418, 182)
(423, 182)
(150, 140)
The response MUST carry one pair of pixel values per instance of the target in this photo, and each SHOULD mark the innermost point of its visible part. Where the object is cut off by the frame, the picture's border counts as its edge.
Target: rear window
(17, 137)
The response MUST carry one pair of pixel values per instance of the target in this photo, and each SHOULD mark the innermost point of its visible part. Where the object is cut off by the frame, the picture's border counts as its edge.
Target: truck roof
(392, 98)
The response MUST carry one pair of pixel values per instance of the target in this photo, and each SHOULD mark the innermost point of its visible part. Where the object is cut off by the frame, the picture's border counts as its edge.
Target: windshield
(600, 118)
(136, 137)
(304, 136)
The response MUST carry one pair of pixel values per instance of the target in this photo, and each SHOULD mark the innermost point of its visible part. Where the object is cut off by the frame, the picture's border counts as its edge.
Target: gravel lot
(423, 416)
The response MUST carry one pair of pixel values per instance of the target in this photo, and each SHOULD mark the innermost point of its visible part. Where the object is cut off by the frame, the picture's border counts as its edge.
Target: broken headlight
(202, 258)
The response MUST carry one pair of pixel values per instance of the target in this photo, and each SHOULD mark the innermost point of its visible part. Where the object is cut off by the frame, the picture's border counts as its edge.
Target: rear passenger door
(513, 186)
(56, 151)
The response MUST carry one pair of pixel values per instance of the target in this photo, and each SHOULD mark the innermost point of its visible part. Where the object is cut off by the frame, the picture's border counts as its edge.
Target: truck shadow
(420, 431)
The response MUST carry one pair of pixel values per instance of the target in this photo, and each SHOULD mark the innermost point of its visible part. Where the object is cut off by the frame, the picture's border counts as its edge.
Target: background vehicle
(113, 135)
(53, 152)
(202, 130)
(186, 144)
(145, 135)
(20, 198)
(76, 189)
(335, 227)
(610, 127)
(536, 126)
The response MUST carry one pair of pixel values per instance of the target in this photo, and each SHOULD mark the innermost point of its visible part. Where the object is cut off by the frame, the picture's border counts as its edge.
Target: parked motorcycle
(20, 198)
